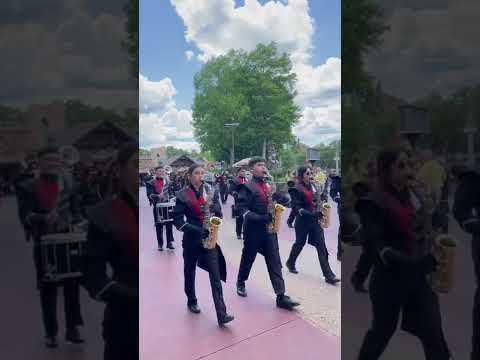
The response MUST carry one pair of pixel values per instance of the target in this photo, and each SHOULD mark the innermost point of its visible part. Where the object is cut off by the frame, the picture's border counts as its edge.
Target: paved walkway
(260, 330)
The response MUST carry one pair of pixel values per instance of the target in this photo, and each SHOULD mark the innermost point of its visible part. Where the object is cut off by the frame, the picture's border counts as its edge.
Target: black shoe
(239, 237)
(170, 246)
(291, 268)
(358, 286)
(194, 308)
(290, 225)
(74, 337)
(51, 342)
(339, 257)
(332, 281)
(284, 302)
(160, 248)
(226, 319)
(241, 291)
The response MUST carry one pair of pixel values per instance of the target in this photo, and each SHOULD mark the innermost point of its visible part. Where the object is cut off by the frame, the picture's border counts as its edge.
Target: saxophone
(276, 210)
(444, 251)
(212, 223)
(322, 207)
(442, 246)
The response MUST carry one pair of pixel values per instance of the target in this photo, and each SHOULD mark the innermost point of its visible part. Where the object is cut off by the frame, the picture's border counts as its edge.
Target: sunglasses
(402, 165)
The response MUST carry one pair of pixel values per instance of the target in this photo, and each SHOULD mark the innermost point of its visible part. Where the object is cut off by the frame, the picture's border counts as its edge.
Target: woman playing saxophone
(191, 215)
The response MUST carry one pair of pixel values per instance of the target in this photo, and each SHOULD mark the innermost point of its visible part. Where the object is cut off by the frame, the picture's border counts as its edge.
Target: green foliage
(9, 115)
(131, 10)
(328, 153)
(362, 28)
(254, 89)
(76, 113)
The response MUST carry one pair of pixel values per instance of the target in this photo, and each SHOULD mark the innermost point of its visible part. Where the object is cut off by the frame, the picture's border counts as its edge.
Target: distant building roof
(182, 160)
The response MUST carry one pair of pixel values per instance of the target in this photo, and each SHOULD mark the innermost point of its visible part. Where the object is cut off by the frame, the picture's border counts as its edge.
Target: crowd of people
(61, 199)
(195, 198)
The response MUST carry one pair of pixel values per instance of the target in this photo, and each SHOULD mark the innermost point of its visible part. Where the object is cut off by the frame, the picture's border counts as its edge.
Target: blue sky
(163, 45)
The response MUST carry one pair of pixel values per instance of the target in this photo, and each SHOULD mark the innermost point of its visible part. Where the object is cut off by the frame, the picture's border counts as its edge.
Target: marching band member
(399, 282)
(253, 204)
(466, 213)
(221, 180)
(47, 205)
(113, 239)
(239, 180)
(157, 193)
(193, 205)
(307, 225)
(291, 183)
(335, 194)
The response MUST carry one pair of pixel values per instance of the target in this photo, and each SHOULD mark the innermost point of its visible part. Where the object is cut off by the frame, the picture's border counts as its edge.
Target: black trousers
(48, 299)
(311, 229)
(190, 257)
(421, 316)
(120, 332)
(239, 225)
(169, 230)
(268, 245)
(291, 217)
(223, 194)
(159, 229)
(364, 264)
(476, 304)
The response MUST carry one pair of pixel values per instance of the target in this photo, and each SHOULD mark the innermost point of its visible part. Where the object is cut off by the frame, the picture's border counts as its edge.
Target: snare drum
(165, 212)
(62, 255)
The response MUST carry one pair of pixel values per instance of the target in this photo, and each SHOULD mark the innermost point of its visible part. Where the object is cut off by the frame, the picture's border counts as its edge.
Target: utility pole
(232, 153)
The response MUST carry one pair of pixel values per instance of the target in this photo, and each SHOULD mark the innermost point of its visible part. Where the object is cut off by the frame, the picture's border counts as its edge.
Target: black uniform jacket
(466, 207)
(113, 239)
(304, 205)
(188, 217)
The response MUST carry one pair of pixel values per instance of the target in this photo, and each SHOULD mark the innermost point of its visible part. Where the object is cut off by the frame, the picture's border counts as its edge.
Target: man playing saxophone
(307, 224)
(192, 215)
(255, 204)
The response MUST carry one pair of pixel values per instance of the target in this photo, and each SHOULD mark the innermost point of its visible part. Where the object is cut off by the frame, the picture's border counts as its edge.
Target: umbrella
(242, 163)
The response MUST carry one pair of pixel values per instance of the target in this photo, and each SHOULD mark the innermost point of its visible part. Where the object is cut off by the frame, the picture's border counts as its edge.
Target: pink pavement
(260, 330)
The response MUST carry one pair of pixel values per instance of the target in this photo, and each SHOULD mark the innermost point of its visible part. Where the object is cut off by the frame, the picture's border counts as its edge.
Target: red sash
(402, 216)
(308, 195)
(47, 193)
(159, 184)
(196, 205)
(126, 228)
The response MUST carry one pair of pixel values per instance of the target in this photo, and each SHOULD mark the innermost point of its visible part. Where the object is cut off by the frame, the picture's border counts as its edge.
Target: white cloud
(161, 123)
(432, 47)
(319, 124)
(189, 54)
(77, 54)
(156, 96)
(216, 26)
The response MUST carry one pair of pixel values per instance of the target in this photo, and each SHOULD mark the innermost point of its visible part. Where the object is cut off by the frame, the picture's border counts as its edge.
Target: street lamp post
(232, 153)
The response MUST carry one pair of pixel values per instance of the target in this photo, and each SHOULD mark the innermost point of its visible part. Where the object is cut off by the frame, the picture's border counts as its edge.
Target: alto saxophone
(442, 278)
(322, 207)
(212, 223)
(276, 210)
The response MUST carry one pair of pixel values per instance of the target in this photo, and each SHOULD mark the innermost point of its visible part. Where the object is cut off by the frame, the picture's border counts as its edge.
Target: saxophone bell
(444, 251)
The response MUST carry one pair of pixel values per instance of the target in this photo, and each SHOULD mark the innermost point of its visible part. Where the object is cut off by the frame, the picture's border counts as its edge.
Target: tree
(362, 28)
(256, 90)
(9, 115)
(131, 44)
(328, 153)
